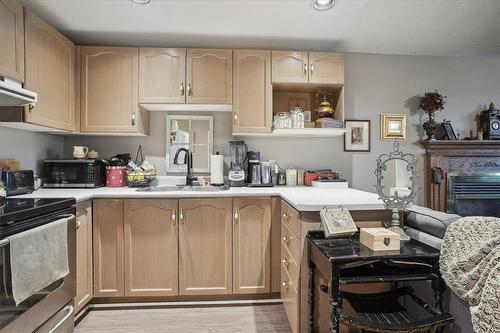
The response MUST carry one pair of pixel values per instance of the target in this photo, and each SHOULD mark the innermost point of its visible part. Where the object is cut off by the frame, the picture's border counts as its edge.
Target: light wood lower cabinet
(108, 248)
(151, 247)
(205, 246)
(84, 285)
(11, 40)
(251, 245)
(50, 72)
(252, 105)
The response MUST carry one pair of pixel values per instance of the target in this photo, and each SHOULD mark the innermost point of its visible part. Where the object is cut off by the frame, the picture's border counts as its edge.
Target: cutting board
(9, 164)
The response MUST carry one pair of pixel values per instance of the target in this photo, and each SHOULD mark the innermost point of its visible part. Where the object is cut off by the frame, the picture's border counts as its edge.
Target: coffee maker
(239, 167)
(253, 176)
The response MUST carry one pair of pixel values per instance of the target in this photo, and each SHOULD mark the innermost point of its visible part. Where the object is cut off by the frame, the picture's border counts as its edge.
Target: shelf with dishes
(297, 132)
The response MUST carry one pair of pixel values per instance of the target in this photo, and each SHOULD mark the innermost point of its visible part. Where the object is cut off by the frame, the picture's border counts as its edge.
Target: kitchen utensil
(256, 174)
(80, 151)
(18, 181)
(217, 169)
(253, 158)
(238, 165)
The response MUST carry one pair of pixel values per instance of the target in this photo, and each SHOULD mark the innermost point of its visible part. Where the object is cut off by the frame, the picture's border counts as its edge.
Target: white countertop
(301, 198)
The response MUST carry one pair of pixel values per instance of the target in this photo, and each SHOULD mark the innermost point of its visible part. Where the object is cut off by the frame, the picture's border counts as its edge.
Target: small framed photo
(357, 137)
(448, 130)
(392, 126)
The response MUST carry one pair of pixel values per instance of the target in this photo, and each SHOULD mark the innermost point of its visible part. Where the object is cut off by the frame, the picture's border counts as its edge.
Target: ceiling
(424, 27)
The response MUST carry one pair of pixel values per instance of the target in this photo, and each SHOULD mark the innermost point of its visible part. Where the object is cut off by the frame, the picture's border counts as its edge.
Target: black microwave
(74, 173)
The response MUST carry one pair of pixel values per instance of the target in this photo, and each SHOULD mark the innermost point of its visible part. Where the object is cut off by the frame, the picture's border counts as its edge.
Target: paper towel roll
(217, 169)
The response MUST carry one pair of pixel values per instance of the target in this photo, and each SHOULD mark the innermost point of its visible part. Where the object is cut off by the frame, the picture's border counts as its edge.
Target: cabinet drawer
(291, 242)
(291, 266)
(290, 217)
(290, 299)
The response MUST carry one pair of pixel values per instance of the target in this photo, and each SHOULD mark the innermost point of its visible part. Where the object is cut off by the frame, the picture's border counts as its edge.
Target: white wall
(374, 84)
(29, 148)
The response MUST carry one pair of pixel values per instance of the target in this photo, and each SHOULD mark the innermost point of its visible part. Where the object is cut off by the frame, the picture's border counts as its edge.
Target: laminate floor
(227, 319)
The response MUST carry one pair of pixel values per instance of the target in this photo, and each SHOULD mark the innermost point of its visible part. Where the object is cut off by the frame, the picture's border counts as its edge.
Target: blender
(238, 167)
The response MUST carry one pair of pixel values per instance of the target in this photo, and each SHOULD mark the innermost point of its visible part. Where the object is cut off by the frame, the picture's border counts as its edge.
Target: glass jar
(282, 120)
(298, 118)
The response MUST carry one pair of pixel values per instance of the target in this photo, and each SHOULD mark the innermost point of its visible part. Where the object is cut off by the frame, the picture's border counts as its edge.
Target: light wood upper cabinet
(162, 75)
(209, 76)
(290, 67)
(325, 67)
(251, 245)
(50, 72)
(109, 91)
(11, 40)
(151, 253)
(252, 104)
(84, 285)
(205, 246)
(108, 248)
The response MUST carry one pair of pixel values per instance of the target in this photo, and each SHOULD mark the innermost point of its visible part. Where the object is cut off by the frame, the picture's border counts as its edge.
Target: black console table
(346, 261)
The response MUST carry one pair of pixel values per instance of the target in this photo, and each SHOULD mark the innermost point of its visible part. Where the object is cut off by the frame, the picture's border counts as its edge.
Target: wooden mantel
(456, 156)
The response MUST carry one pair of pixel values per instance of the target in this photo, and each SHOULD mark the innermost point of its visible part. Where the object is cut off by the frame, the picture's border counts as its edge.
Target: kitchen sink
(183, 188)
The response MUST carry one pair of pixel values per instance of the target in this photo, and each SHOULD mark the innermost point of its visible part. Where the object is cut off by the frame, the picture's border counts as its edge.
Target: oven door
(32, 313)
(66, 173)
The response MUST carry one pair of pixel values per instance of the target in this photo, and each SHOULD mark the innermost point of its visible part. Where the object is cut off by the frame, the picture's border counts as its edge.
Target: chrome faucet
(188, 160)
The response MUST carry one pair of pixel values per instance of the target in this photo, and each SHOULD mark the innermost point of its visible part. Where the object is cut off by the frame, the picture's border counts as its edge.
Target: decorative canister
(282, 120)
(297, 117)
(115, 176)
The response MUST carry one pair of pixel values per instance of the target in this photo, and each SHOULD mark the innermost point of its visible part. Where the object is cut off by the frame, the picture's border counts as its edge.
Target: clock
(490, 123)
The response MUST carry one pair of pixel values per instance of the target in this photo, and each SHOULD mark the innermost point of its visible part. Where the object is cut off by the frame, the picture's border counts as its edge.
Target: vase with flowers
(431, 102)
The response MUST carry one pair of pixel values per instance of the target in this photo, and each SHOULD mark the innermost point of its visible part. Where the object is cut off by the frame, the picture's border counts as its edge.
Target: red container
(115, 176)
(311, 176)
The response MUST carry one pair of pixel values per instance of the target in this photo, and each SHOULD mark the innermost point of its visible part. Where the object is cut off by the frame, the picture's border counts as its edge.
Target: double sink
(184, 188)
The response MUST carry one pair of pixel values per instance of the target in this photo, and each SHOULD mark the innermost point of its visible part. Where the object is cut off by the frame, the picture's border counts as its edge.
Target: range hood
(13, 94)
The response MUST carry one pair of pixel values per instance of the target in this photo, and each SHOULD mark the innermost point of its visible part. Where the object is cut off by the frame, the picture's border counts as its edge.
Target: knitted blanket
(470, 265)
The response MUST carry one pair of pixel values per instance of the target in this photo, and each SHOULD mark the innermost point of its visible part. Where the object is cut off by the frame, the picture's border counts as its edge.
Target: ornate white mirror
(396, 183)
(191, 132)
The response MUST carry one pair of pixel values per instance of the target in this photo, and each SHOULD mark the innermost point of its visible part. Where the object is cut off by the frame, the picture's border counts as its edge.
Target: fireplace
(474, 194)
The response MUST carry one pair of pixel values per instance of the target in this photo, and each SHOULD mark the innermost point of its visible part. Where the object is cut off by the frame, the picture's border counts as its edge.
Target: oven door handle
(70, 309)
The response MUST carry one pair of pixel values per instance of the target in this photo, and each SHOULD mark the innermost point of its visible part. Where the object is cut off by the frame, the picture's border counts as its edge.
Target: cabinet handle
(285, 284)
(189, 91)
(133, 119)
(78, 223)
(236, 217)
(312, 69)
(285, 261)
(31, 107)
(286, 239)
(174, 217)
(182, 89)
(305, 69)
(181, 216)
(235, 116)
(285, 216)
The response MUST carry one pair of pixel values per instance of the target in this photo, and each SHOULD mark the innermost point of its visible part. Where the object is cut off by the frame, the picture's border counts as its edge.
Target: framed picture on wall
(357, 137)
(392, 126)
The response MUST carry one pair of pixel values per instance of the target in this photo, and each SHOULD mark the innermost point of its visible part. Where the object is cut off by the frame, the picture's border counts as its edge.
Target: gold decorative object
(392, 126)
(325, 108)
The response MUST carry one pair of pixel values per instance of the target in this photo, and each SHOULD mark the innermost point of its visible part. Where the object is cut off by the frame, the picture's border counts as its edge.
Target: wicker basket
(140, 180)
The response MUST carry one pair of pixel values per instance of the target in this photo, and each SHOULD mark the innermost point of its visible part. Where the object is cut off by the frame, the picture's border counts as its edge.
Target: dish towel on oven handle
(38, 258)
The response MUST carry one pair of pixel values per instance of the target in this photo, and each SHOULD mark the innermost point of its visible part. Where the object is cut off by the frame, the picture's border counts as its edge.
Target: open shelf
(298, 133)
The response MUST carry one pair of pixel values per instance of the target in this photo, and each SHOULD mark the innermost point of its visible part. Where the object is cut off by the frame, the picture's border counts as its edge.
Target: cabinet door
(50, 72)
(151, 256)
(108, 248)
(251, 245)
(290, 67)
(109, 94)
(205, 242)
(84, 287)
(252, 106)
(326, 67)
(162, 75)
(11, 40)
(209, 76)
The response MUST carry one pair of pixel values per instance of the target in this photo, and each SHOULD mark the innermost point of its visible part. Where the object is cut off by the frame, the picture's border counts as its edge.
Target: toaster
(18, 182)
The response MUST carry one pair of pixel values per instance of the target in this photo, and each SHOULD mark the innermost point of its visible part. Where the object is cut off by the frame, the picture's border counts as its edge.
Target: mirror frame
(210, 141)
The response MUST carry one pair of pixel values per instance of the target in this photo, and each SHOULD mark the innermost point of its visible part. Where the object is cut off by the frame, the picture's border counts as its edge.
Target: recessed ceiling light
(141, 2)
(323, 4)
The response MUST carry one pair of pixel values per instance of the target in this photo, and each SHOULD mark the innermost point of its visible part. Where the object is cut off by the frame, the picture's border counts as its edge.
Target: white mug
(80, 151)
